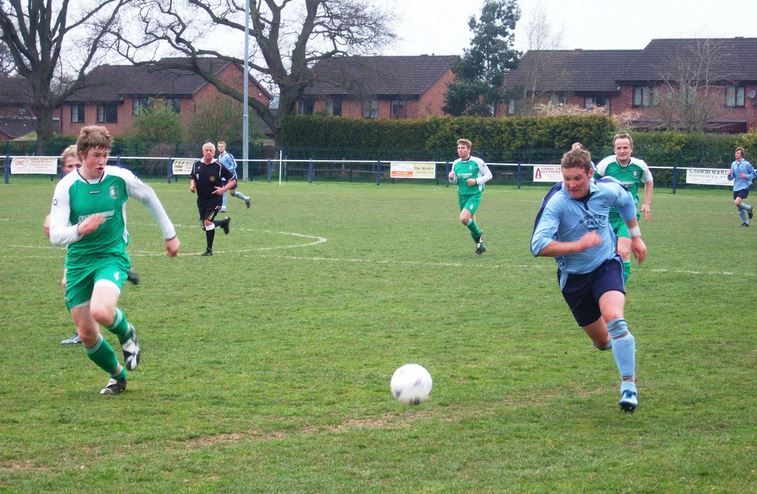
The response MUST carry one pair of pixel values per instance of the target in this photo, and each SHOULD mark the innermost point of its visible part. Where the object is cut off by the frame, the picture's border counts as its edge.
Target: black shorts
(743, 193)
(208, 212)
(582, 291)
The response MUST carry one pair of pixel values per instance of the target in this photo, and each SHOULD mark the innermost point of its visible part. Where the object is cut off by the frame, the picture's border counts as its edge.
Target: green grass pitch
(266, 367)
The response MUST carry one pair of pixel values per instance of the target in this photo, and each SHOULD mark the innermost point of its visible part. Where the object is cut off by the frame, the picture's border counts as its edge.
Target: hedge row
(519, 139)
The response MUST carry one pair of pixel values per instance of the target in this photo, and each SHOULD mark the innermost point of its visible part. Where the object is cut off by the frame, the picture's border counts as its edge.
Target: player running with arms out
(572, 226)
(742, 173)
(631, 172)
(470, 173)
(88, 214)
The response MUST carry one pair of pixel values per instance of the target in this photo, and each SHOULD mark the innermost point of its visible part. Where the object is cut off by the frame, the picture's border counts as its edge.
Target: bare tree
(289, 38)
(541, 36)
(692, 86)
(6, 60)
(37, 32)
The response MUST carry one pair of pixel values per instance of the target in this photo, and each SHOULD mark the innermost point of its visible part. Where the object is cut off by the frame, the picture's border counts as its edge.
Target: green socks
(474, 230)
(104, 357)
(120, 326)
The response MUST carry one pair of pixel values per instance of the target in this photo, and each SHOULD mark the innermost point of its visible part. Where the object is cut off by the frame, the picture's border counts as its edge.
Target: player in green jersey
(88, 214)
(631, 172)
(470, 173)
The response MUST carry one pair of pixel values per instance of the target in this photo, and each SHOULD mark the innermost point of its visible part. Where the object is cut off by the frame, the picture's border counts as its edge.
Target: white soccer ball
(411, 384)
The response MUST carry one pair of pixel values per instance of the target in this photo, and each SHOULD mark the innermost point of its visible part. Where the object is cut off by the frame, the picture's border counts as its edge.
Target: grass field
(266, 367)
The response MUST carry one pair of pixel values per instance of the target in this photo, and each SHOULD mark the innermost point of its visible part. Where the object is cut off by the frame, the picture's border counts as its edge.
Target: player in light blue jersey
(742, 173)
(573, 227)
(227, 160)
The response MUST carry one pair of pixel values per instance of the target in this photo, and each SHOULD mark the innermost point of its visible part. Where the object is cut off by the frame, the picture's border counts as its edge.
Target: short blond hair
(68, 152)
(622, 136)
(465, 142)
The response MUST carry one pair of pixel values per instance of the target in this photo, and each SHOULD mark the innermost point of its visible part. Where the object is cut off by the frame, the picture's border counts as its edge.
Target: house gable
(633, 79)
(121, 88)
(393, 86)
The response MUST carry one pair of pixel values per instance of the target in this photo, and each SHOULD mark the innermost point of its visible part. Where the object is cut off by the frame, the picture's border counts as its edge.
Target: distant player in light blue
(227, 160)
(742, 173)
(573, 227)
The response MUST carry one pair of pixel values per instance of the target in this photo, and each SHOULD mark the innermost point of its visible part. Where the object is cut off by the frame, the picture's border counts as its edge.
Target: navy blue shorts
(582, 291)
(743, 193)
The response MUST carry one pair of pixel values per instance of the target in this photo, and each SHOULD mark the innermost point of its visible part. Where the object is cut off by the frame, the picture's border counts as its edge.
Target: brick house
(379, 86)
(114, 94)
(17, 120)
(639, 80)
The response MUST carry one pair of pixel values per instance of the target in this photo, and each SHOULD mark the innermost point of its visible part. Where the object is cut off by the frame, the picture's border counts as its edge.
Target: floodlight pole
(245, 80)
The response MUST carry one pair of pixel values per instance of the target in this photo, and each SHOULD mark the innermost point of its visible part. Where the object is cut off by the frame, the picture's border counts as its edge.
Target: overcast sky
(441, 26)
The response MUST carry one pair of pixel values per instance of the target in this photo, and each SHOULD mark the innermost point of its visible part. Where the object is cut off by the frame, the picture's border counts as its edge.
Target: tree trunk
(44, 128)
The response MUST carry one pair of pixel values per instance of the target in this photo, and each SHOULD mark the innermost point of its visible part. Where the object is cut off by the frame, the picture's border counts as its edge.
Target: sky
(440, 27)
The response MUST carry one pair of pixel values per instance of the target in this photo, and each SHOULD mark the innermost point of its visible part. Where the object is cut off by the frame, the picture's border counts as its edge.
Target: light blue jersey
(227, 160)
(737, 168)
(565, 219)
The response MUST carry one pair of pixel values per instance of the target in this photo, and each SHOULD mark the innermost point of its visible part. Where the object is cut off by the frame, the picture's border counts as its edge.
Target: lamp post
(245, 92)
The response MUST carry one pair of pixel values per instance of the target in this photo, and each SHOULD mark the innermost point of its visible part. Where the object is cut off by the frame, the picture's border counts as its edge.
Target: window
(173, 103)
(334, 106)
(592, 101)
(370, 108)
(734, 96)
(398, 108)
(307, 106)
(514, 106)
(77, 113)
(107, 113)
(139, 104)
(558, 99)
(646, 96)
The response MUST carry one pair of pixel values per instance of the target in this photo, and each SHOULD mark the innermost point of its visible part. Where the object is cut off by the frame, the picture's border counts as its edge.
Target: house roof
(731, 58)
(379, 75)
(15, 91)
(115, 82)
(14, 128)
(571, 70)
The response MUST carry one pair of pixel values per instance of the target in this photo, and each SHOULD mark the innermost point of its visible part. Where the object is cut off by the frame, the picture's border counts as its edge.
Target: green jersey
(631, 175)
(75, 199)
(471, 168)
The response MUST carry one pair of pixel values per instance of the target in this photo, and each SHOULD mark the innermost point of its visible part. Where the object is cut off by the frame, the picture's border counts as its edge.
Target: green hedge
(494, 139)
(509, 139)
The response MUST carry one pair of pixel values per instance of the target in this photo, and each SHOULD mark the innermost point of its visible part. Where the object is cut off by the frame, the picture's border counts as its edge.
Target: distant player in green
(88, 214)
(631, 172)
(470, 173)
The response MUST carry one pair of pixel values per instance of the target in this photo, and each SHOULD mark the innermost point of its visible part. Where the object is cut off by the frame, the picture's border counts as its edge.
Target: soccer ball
(411, 384)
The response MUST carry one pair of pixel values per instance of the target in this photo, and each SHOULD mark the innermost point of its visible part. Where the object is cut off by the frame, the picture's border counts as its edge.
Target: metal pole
(7, 169)
(245, 81)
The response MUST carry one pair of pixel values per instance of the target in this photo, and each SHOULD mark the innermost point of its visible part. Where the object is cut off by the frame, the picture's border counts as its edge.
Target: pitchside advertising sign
(412, 169)
(699, 176)
(182, 166)
(547, 173)
(35, 165)
(708, 176)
